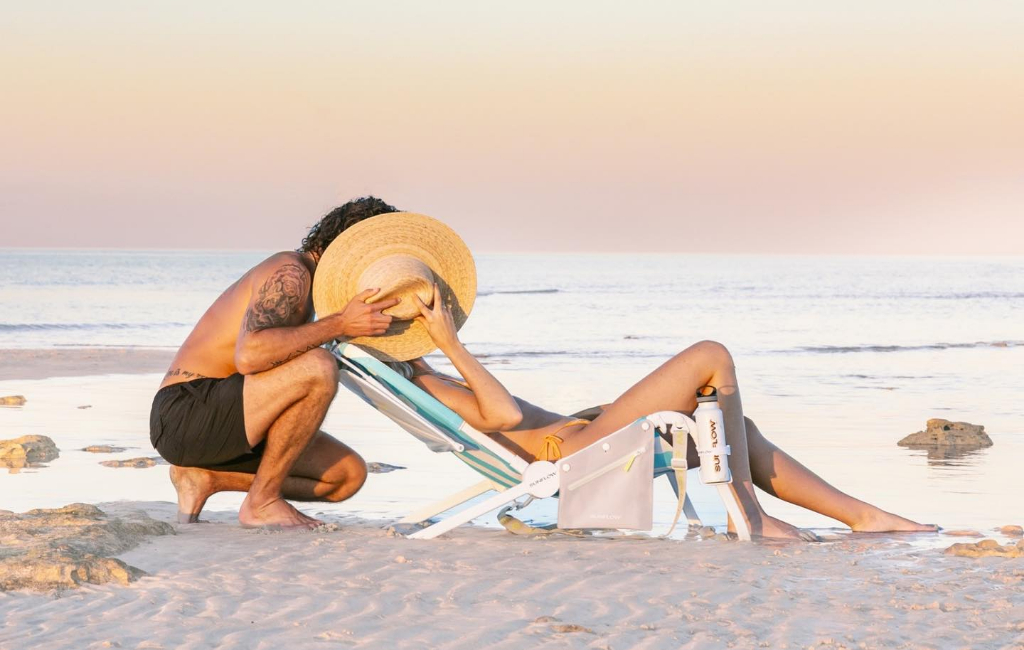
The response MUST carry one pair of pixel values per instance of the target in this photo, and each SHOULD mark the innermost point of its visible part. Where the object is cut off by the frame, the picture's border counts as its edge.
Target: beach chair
(508, 475)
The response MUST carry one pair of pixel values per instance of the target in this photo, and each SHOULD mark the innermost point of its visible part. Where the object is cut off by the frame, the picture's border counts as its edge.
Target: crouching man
(241, 407)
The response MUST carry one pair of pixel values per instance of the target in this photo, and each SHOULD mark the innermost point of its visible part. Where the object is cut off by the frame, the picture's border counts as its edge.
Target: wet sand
(77, 362)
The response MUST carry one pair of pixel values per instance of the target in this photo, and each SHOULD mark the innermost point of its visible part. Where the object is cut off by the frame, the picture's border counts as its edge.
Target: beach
(836, 366)
(356, 584)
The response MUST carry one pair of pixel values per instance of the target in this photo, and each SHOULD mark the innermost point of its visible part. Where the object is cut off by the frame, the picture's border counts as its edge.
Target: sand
(216, 585)
(355, 585)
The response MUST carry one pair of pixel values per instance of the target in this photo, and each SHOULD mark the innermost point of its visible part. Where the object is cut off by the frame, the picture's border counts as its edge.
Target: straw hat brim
(428, 240)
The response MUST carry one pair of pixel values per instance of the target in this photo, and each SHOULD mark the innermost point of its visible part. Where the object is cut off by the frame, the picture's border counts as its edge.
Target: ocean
(838, 358)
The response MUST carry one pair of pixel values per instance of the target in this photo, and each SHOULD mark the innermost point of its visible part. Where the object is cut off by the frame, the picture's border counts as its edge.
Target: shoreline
(44, 363)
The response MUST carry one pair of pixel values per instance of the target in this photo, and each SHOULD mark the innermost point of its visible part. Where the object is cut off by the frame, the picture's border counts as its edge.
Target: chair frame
(503, 472)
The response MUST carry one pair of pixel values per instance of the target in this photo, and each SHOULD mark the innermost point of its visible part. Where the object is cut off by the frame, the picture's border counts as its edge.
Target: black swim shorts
(201, 423)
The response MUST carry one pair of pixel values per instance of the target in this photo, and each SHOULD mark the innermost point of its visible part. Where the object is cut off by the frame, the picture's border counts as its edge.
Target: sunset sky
(784, 127)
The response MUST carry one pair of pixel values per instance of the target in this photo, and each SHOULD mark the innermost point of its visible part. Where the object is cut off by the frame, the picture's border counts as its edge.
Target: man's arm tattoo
(291, 356)
(281, 297)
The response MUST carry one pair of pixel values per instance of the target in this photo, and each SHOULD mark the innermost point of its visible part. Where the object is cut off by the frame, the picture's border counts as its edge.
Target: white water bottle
(711, 446)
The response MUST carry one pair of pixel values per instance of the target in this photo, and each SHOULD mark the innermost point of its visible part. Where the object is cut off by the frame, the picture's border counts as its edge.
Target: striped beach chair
(501, 471)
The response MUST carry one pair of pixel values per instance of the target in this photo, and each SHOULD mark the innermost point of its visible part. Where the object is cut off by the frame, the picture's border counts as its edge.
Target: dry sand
(78, 362)
(218, 586)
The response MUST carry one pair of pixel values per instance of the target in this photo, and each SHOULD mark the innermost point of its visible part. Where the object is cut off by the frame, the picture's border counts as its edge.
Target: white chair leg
(732, 506)
(692, 518)
(463, 516)
(449, 502)
(540, 480)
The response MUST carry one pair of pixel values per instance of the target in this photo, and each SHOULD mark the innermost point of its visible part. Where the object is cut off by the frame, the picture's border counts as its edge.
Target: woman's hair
(403, 368)
(337, 220)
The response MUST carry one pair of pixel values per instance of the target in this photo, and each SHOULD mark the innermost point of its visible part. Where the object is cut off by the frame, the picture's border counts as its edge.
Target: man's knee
(319, 368)
(353, 477)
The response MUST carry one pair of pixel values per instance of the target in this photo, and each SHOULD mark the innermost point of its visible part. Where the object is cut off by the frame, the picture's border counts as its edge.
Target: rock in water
(103, 449)
(137, 463)
(943, 433)
(27, 450)
(381, 468)
(1012, 530)
(65, 547)
(13, 400)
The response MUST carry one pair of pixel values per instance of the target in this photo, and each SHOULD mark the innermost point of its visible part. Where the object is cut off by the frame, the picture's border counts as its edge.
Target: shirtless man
(241, 406)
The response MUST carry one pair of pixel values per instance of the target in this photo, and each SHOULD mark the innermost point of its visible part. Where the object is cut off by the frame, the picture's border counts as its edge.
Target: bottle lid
(707, 394)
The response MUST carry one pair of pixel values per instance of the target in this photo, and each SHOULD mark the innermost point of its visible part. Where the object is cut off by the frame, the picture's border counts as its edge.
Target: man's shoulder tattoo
(282, 296)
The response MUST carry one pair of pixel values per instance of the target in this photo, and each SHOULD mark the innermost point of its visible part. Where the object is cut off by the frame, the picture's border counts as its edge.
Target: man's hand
(360, 318)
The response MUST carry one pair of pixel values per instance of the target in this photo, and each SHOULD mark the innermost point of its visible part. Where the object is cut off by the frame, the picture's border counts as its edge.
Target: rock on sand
(27, 450)
(65, 547)
(13, 400)
(943, 433)
(987, 548)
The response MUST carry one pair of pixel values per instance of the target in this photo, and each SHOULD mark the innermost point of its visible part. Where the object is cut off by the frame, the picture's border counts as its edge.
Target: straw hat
(404, 254)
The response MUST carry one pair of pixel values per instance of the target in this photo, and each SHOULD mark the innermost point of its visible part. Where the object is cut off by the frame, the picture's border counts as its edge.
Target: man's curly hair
(337, 220)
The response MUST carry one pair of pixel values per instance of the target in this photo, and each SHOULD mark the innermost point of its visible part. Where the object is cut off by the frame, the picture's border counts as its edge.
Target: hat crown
(399, 276)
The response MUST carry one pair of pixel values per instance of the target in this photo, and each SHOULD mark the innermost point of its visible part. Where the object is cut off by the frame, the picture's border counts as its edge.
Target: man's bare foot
(194, 487)
(276, 514)
(880, 521)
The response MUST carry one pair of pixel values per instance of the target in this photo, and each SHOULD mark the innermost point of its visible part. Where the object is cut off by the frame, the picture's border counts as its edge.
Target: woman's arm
(487, 405)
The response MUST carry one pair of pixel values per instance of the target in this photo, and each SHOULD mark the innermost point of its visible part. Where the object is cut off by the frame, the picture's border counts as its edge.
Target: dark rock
(943, 433)
(26, 451)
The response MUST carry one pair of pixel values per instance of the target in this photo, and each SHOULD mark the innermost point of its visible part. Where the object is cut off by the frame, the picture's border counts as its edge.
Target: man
(241, 406)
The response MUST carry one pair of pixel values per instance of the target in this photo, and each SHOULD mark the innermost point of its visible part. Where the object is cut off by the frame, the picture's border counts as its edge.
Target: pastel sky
(782, 127)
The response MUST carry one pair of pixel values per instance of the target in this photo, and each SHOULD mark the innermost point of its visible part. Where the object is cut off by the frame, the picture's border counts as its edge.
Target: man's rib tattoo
(178, 372)
(279, 299)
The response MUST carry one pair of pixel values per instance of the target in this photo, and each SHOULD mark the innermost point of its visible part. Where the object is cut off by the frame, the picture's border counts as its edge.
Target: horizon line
(270, 251)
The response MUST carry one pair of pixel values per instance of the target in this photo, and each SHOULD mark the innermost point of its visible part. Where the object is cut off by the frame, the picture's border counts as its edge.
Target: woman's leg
(782, 476)
(672, 387)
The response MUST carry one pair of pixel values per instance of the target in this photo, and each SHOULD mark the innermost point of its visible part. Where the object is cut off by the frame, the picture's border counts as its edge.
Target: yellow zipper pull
(630, 463)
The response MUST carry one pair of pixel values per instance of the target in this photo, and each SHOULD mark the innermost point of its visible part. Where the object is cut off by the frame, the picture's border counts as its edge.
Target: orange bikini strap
(552, 451)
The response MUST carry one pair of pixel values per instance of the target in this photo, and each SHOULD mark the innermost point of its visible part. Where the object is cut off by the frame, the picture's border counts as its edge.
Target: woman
(537, 434)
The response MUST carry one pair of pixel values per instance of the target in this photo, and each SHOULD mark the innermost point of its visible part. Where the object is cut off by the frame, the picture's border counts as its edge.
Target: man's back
(209, 350)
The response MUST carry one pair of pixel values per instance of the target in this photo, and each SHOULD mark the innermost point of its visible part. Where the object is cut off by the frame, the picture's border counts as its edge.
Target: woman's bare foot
(276, 514)
(880, 521)
(771, 528)
(194, 487)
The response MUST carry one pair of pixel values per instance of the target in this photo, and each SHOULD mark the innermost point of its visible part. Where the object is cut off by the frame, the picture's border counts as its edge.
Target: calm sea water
(838, 357)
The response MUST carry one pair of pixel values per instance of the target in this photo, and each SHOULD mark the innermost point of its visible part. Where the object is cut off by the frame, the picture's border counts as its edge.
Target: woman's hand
(438, 320)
